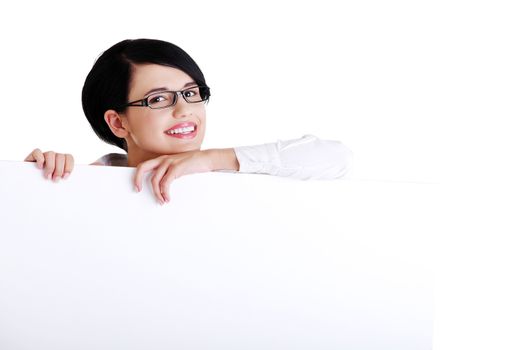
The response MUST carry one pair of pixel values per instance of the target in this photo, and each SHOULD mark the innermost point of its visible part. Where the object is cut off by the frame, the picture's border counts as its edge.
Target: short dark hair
(107, 84)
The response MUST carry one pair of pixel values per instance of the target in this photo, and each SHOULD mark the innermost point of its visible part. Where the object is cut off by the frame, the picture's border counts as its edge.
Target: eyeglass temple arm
(141, 103)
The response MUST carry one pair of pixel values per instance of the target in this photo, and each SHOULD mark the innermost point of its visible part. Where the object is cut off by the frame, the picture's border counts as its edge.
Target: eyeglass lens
(168, 98)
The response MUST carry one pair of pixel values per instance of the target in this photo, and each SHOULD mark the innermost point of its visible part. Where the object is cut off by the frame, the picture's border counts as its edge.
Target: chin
(186, 148)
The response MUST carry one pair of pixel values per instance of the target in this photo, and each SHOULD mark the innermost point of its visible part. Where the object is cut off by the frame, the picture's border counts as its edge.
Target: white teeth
(185, 130)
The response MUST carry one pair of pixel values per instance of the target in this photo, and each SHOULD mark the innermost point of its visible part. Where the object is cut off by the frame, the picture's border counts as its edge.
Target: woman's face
(151, 131)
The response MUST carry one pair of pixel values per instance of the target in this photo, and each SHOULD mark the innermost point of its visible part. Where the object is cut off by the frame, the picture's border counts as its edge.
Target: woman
(148, 98)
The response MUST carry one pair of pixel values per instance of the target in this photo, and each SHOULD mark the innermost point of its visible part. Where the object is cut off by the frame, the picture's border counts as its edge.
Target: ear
(116, 123)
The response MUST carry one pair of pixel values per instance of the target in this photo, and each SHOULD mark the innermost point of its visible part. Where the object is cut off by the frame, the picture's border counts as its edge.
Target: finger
(49, 164)
(142, 169)
(60, 161)
(156, 179)
(68, 167)
(36, 156)
(166, 182)
(30, 157)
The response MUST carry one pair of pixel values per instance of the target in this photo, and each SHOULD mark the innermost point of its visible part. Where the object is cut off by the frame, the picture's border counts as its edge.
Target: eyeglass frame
(144, 101)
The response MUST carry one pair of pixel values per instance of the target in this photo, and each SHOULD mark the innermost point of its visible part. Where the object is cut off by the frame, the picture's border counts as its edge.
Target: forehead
(150, 76)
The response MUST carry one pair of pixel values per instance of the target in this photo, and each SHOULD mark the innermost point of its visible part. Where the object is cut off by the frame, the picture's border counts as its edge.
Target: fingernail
(66, 175)
(137, 188)
(48, 176)
(56, 178)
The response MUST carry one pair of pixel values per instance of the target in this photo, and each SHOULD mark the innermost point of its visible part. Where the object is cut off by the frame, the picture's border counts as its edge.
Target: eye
(158, 98)
(190, 93)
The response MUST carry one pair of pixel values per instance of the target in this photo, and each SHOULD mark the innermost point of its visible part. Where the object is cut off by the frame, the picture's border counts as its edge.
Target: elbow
(344, 165)
(348, 162)
(337, 164)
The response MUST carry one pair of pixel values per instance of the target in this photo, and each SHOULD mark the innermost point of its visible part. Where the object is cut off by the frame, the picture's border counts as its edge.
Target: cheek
(145, 129)
(203, 118)
(203, 126)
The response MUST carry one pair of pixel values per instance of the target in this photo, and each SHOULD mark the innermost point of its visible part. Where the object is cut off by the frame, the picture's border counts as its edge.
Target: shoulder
(112, 159)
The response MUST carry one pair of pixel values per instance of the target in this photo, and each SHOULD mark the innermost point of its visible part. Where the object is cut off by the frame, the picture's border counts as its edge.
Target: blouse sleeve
(305, 158)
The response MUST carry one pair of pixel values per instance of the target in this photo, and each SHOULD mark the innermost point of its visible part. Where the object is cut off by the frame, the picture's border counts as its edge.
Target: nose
(182, 108)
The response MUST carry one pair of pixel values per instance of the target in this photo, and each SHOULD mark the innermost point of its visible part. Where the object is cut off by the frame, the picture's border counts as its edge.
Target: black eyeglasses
(164, 99)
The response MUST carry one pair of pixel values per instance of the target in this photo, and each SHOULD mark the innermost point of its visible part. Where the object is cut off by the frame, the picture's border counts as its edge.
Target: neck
(137, 156)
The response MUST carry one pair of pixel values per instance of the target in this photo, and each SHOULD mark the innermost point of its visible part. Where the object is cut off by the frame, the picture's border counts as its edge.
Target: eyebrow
(191, 83)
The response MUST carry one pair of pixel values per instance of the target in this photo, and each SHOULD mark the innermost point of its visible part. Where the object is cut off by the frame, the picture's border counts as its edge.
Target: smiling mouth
(183, 131)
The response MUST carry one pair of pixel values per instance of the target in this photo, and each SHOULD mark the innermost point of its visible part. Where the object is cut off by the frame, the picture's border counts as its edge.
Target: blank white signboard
(234, 261)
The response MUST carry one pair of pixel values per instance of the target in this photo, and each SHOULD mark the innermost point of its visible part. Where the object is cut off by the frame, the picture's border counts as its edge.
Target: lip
(183, 125)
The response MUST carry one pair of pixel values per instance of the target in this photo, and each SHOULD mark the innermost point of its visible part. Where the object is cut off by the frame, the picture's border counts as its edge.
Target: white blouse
(305, 158)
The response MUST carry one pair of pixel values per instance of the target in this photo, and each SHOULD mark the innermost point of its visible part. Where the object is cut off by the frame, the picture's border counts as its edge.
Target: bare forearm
(223, 159)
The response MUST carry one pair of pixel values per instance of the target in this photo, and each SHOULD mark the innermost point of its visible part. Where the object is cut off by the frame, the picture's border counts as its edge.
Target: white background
(421, 91)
